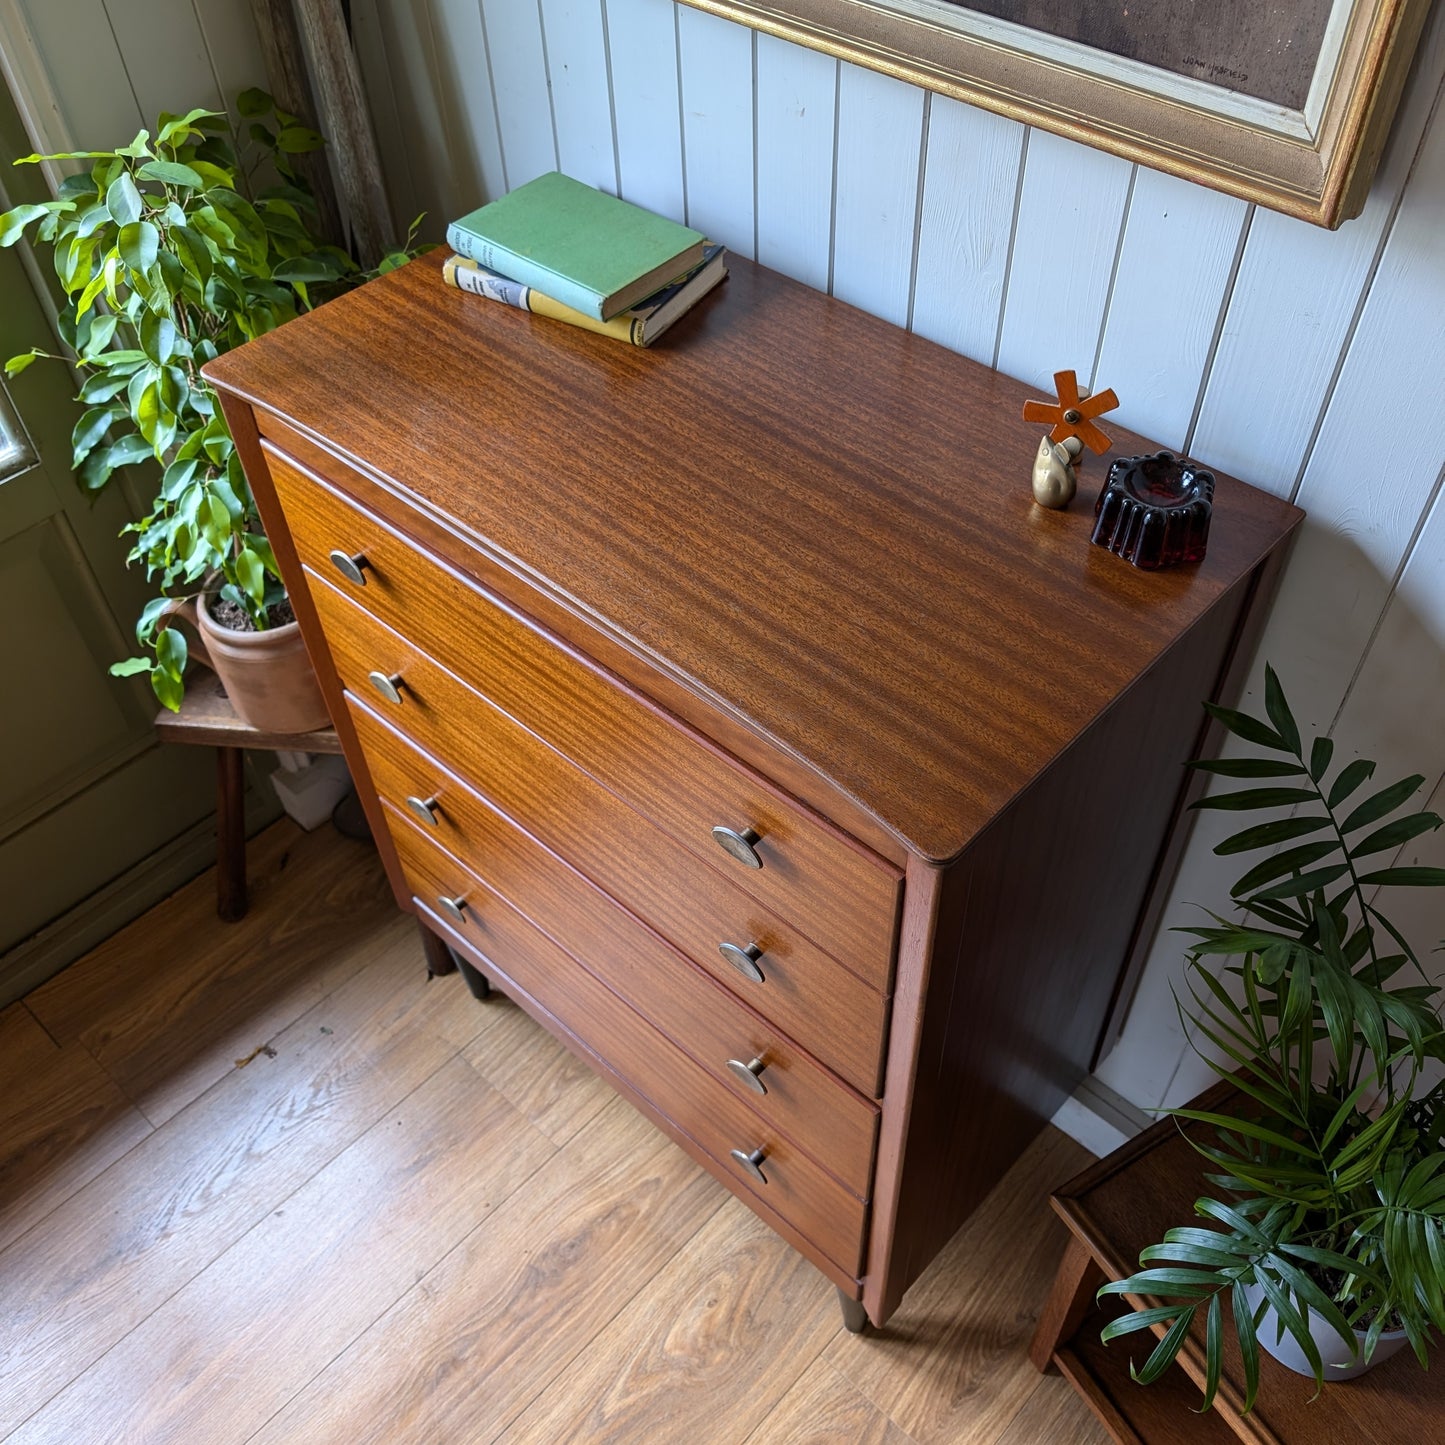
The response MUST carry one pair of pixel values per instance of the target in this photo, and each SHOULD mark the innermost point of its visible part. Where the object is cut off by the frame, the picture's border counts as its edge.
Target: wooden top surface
(207, 717)
(1125, 1202)
(814, 519)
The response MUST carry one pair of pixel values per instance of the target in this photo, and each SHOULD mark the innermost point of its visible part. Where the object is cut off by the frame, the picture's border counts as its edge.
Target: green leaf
(1381, 803)
(1278, 710)
(102, 385)
(1230, 1124)
(171, 173)
(1304, 883)
(170, 690)
(298, 140)
(192, 252)
(1249, 798)
(251, 574)
(131, 448)
(1288, 861)
(95, 471)
(171, 650)
(138, 148)
(130, 667)
(123, 201)
(139, 242)
(1247, 767)
(15, 220)
(1349, 779)
(1213, 1351)
(1320, 755)
(1248, 728)
(254, 102)
(1393, 834)
(1406, 878)
(1166, 1351)
(1266, 835)
(88, 431)
(182, 125)
(102, 331)
(158, 337)
(1248, 1344)
(17, 364)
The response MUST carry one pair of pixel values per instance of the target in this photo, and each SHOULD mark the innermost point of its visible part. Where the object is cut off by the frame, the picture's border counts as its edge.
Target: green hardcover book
(578, 245)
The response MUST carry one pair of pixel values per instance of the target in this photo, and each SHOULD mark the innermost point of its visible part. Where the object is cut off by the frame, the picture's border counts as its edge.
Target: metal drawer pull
(388, 685)
(454, 908)
(351, 565)
(739, 845)
(744, 960)
(751, 1162)
(749, 1075)
(426, 809)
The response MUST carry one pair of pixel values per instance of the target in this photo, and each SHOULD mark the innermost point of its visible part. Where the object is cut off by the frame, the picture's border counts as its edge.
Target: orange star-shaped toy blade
(1071, 416)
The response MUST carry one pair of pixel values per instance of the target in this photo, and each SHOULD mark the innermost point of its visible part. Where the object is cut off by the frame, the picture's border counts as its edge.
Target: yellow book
(640, 326)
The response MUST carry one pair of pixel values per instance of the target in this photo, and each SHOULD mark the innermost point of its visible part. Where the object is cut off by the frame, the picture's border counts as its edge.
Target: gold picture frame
(1315, 162)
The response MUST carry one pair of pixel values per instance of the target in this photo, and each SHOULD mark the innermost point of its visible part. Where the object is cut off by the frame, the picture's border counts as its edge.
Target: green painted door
(86, 792)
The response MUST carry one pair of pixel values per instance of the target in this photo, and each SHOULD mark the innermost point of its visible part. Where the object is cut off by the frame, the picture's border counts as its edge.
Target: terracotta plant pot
(268, 676)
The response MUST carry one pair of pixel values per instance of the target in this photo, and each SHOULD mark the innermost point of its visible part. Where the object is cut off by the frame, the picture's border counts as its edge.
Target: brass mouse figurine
(1056, 477)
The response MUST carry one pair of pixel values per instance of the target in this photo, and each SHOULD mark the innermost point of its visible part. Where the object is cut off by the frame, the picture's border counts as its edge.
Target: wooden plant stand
(207, 717)
(1118, 1207)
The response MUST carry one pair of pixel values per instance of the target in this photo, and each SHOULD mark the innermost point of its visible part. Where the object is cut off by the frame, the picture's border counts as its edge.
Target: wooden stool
(1118, 1207)
(207, 717)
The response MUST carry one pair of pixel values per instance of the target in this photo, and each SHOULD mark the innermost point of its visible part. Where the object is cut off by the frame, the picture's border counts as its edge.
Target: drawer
(798, 1096)
(835, 891)
(805, 1195)
(804, 991)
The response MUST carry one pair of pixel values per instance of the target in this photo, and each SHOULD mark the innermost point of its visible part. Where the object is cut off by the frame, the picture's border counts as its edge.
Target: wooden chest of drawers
(731, 706)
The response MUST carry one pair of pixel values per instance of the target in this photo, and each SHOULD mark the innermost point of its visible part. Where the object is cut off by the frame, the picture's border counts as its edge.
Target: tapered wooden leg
(231, 900)
(1075, 1285)
(439, 958)
(855, 1317)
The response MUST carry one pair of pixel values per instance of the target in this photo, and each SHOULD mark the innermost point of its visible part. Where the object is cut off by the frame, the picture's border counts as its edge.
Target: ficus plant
(1328, 1179)
(169, 251)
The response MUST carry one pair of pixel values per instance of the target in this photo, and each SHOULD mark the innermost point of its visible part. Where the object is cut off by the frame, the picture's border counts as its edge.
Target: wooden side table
(1118, 1207)
(207, 717)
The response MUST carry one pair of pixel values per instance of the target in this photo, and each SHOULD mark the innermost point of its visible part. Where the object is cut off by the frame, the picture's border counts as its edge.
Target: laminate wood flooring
(263, 1184)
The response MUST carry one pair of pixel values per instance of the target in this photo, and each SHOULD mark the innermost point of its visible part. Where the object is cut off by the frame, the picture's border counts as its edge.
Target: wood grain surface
(718, 548)
(805, 991)
(836, 1125)
(336, 1249)
(838, 893)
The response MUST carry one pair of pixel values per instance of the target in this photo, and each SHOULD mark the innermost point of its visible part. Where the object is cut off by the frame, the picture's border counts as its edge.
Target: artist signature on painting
(1214, 70)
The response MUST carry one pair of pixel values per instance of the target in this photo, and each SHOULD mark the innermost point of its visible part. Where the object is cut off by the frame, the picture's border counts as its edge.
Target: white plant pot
(1340, 1363)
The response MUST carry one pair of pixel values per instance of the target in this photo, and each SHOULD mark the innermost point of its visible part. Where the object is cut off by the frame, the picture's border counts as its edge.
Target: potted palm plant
(1323, 1234)
(169, 251)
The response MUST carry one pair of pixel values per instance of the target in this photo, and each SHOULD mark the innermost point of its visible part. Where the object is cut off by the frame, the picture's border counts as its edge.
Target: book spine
(467, 275)
(528, 273)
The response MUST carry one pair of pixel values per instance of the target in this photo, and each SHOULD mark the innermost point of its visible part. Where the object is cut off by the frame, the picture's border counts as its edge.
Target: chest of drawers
(732, 707)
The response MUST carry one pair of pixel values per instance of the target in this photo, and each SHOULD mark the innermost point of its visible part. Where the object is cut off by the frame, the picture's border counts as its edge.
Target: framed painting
(1286, 104)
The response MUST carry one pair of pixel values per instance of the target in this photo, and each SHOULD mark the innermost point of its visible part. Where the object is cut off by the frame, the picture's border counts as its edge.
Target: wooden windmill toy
(1055, 476)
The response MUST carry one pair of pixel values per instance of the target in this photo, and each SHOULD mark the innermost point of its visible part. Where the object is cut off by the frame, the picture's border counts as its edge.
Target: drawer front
(803, 991)
(834, 891)
(831, 1122)
(809, 1198)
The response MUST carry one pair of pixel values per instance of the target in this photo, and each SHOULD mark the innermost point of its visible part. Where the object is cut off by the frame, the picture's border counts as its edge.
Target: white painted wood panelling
(642, 46)
(970, 190)
(880, 140)
(581, 91)
(1312, 358)
(1180, 247)
(524, 106)
(1066, 240)
(797, 109)
(717, 126)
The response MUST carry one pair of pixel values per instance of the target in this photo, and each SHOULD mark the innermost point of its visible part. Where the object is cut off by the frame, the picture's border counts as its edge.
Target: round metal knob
(750, 1163)
(426, 809)
(739, 845)
(743, 959)
(454, 908)
(351, 566)
(749, 1075)
(388, 685)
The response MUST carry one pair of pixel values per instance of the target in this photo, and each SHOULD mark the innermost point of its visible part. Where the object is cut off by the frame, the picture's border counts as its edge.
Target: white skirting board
(1099, 1119)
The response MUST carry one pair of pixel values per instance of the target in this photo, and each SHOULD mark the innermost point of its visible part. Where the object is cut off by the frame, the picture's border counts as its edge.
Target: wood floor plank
(952, 1365)
(824, 1409)
(543, 1080)
(62, 1122)
(229, 1349)
(118, 1248)
(170, 1002)
(1055, 1413)
(464, 1353)
(703, 1353)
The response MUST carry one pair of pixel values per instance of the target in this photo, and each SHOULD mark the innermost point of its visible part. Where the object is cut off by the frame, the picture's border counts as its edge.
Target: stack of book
(564, 250)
